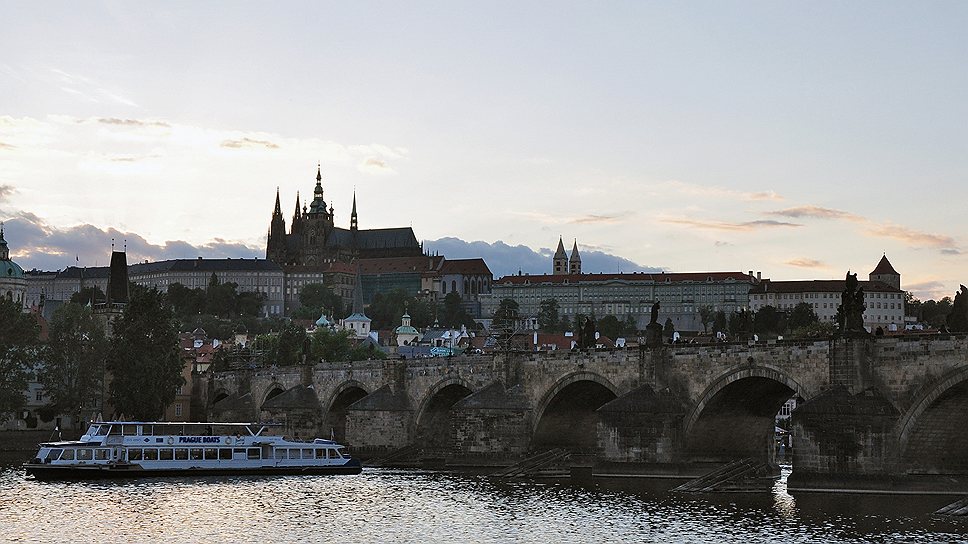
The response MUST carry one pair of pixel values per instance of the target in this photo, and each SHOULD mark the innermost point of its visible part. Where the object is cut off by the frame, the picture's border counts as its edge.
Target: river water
(382, 505)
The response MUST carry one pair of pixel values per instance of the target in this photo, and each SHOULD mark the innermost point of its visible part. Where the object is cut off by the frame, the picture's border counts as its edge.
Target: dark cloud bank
(35, 244)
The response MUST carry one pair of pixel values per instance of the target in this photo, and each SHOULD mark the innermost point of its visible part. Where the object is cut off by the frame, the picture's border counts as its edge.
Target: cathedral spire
(319, 172)
(354, 222)
(278, 208)
(574, 262)
(560, 260)
(4, 250)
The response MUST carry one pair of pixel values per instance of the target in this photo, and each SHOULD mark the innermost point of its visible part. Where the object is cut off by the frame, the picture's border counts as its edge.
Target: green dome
(10, 269)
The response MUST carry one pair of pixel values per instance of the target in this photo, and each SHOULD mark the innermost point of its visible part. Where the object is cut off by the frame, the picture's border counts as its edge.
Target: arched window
(453, 285)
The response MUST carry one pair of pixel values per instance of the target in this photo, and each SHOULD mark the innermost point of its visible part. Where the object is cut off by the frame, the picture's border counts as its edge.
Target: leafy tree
(817, 329)
(18, 350)
(958, 318)
(452, 313)
(631, 326)
(335, 346)
(88, 295)
(292, 341)
(769, 321)
(506, 315)
(802, 316)
(386, 309)
(565, 324)
(706, 315)
(935, 313)
(144, 360)
(741, 324)
(548, 320)
(73, 374)
(316, 299)
(720, 322)
(610, 326)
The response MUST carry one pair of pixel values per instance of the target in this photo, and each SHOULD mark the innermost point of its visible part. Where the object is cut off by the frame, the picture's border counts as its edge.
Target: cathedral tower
(560, 260)
(574, 262)
(276, 244)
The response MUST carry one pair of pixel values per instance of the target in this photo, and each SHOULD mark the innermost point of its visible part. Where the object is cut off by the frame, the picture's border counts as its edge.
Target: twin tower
(564, 264)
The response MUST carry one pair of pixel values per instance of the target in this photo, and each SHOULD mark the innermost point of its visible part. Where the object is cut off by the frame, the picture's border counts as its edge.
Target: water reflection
(412, 506)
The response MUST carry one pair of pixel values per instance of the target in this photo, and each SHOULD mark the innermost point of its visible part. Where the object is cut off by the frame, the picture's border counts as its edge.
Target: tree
(935, 313)
(292, 340)
(506, 315)
(706, 314)
(144, 361)
(316, 299)
(565, 324)
(18, 350)
(334, 346)
(631, 326)
(802, 316)
(610, 326)
(958, 318)
(73, 374)
(769, 321)
(741, 324)
(720, 322)
(452, 313)
(548, 320)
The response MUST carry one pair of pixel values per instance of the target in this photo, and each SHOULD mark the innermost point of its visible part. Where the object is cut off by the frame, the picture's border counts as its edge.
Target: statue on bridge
(653, 331)
(850, 314)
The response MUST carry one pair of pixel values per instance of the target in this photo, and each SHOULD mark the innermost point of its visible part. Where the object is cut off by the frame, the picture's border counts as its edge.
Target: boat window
(238, 451)
(54, 454)
(134, 454)
(103, 430)
(85, 454)
(225, 454)
(151, 454)
(165, 454)
(93, 431)
(333, 454)
(196, 453)
(341, 453)
(210, 454)
(280, 453)
(68, 455)
(307, 454)
(253, 453)
(320, 454)
(181, 454)
(102, 454)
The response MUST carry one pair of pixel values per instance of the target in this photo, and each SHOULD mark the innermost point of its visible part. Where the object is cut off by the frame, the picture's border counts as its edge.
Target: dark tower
(276, 244)
(354, 223)
(297, 218)
(560, 260)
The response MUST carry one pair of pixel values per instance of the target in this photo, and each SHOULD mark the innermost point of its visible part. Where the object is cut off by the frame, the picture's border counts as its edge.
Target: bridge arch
(930, 439)
(274, 389)
(337, 404)
(565, 416)
(432, 422)
(734, 416)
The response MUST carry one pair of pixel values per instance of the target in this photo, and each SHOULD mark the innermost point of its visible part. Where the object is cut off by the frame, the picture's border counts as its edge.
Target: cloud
(745, 226)
(596, 218)
(37, 244)
(806, 263)
(505, 260)
(374, 165)
(928, 290)
(946, 244)
(716, 192)
(720, 243)
(815, 212)
(7, 146)
(88, 89)
(248, 142)
(6, 191)
(129, 122)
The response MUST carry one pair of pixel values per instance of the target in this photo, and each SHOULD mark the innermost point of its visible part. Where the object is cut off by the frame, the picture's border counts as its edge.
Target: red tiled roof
(399, 265)
(818, 286)
(884, 267)
(467, 267)
(698, 277)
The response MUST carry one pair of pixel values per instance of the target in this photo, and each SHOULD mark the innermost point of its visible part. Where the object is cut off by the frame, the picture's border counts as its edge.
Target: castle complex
(314, 239)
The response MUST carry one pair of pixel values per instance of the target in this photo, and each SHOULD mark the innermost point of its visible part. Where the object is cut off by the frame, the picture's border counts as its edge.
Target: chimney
(759, 276)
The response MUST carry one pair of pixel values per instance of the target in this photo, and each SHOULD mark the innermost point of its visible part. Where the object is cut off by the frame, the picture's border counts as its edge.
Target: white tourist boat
(113, 449)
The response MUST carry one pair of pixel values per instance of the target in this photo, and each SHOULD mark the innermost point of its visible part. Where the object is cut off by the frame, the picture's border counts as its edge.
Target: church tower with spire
(276, 244)
(560, 260)
(574, 262)
(885, 273)
(354, 222)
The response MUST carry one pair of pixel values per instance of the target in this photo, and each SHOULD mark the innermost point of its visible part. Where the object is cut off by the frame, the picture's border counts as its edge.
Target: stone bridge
(882, 411)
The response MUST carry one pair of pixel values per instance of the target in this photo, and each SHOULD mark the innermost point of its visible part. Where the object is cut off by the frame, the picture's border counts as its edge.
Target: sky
(802, 140)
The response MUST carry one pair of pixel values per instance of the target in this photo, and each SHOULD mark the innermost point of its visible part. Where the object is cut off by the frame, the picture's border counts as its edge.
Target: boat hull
(99, 472)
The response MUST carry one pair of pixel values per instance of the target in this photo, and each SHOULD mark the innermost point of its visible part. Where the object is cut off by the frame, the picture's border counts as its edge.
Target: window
(211, 454)
(307, 454)
(225, 454)
(253, 453)
(151, 454)
(178, 405)
(195, 454)
(85, 454)
(134, 454)
(166, 454)
(280, 453)
(39, 396)
(320, 454)
(181, 454)
(102, 454)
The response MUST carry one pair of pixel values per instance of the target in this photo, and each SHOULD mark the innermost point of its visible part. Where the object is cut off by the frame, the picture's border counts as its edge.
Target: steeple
(560, 260)
(354, 223)
(574, 263)
(319, 173)
(884, 272)
(295, 216)
(318, 205)
(278, 209)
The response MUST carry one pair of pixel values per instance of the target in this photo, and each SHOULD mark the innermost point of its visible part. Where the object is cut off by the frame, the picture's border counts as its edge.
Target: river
(382, 505)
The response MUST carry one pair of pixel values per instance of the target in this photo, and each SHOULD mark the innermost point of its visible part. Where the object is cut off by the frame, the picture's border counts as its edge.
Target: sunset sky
(797, 139)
